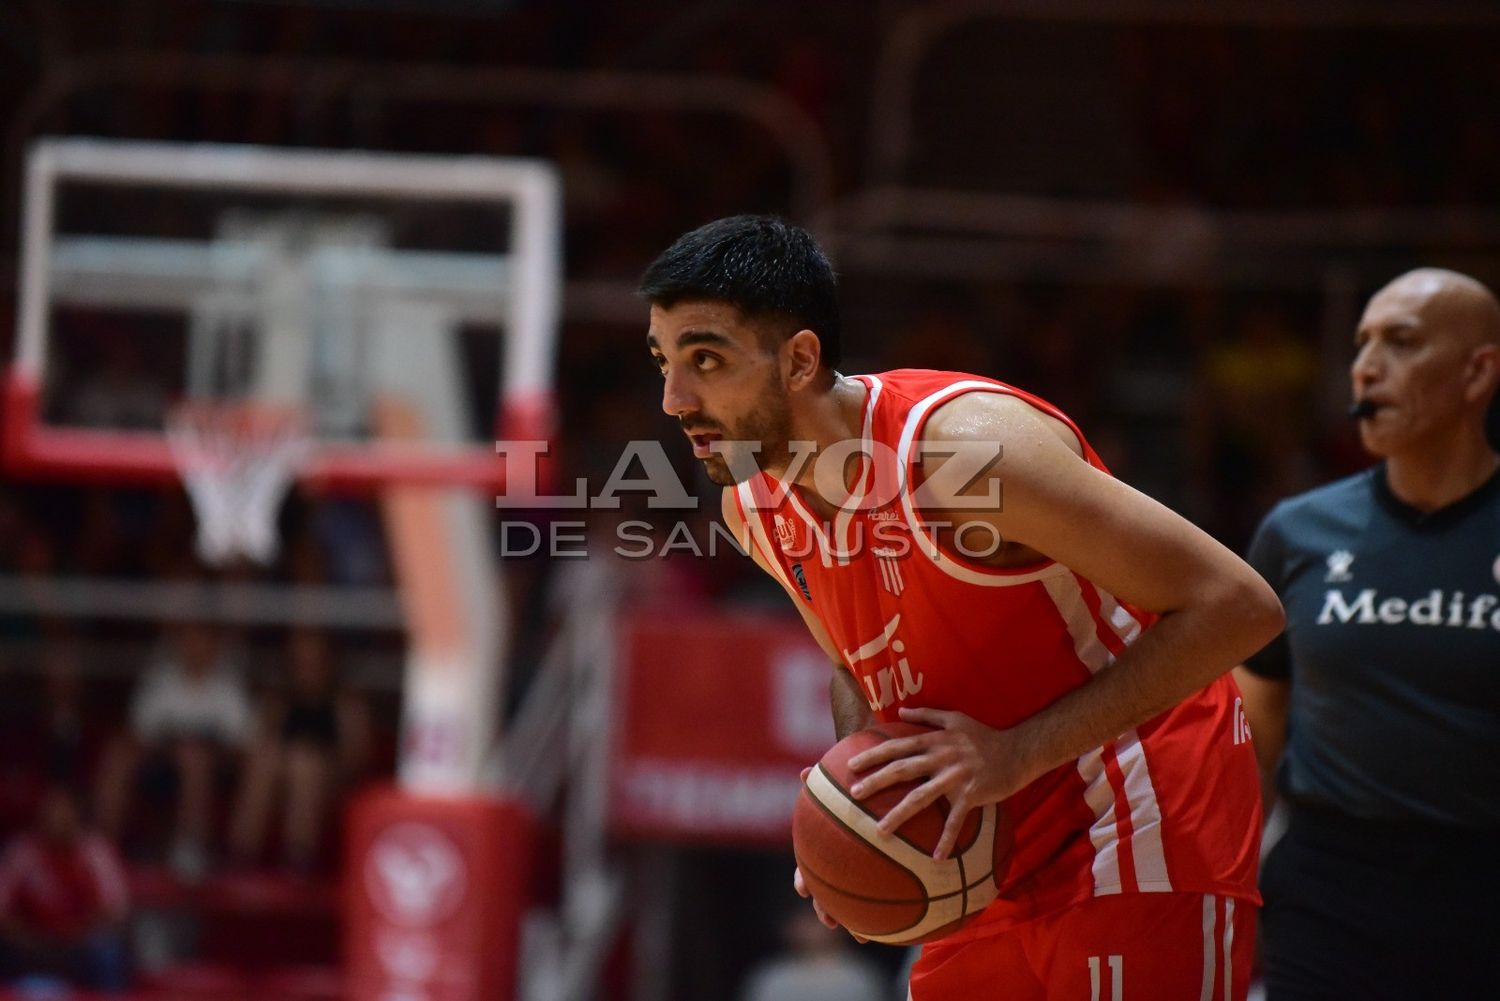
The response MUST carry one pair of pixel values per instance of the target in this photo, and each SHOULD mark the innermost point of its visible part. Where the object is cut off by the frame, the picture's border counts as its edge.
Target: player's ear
(801, 355)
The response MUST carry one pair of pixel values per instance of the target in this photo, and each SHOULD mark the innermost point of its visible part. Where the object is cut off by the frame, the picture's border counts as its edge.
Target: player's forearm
(851, 713)
(1181, 654)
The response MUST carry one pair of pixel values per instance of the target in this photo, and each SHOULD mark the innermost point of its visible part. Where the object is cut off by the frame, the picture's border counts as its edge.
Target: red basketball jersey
(1172, 805)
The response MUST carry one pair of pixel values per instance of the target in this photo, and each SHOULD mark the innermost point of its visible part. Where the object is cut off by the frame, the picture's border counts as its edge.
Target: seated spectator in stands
(60, 724)
(63, 901)
(189, 718)
(42, 738)
(313, 742)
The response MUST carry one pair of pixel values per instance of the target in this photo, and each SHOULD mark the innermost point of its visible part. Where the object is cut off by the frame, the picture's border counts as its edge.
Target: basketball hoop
(237, 462)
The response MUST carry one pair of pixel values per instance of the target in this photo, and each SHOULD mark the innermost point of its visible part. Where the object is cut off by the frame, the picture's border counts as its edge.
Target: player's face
(1410, 362)
(724, 385)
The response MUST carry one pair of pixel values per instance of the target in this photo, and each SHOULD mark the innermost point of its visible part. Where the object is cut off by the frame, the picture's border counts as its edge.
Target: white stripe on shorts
(1228, 946)
(1210, 949)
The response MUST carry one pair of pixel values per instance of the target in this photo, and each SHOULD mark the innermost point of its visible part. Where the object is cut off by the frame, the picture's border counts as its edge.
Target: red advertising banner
(716, 716)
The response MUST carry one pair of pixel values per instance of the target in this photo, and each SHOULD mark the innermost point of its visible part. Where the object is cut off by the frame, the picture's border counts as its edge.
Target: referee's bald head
(1448, 301)
(1428, 358)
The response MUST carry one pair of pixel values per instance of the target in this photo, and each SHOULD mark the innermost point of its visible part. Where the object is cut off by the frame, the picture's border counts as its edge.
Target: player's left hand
(963, 761)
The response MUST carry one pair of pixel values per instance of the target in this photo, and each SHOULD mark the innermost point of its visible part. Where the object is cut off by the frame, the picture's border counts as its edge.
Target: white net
(237, 461)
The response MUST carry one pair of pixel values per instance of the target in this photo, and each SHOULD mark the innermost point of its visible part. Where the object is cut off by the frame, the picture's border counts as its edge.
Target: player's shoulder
(1014, 422)
(915, 385)
(979, 416)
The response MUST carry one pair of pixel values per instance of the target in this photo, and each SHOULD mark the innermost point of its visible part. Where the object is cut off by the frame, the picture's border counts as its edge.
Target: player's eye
(705, 362)
(660, 362)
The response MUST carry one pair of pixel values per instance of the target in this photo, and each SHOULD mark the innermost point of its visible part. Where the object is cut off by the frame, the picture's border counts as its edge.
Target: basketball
(888, 888)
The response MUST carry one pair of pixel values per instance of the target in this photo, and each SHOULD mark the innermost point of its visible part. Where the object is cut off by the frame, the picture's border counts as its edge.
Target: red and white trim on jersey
(840, 549)
(749, 507)
(1126, 832)
(906, 449)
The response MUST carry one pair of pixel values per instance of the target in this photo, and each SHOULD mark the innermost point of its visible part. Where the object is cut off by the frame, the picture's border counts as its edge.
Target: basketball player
(1381, 702)
(1069, 646)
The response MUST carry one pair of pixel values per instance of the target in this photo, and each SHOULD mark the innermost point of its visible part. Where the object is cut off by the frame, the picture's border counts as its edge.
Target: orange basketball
(888, 888)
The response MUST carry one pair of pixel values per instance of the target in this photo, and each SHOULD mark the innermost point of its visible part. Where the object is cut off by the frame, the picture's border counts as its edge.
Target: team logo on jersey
(801, 579)
(1338, 566)
(1495, 570)
(786, 532)
(890, 569)
(892, 683)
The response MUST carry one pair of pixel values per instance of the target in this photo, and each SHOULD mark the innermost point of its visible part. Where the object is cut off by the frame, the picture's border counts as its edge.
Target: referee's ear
(1492, 423)
(1484, 370)
(1484, 382)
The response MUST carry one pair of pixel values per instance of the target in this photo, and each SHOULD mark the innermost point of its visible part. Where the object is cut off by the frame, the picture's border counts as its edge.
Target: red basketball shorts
(1138, 947)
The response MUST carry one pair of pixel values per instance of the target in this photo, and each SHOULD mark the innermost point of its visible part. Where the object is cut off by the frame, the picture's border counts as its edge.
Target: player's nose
(677, 399)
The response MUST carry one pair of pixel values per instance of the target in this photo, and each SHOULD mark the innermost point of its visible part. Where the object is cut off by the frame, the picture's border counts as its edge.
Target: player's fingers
(915, 802)
(805, 773)
(939, 718)
(904, 770)
(822, 914)
(800, 886)
(890, 750)
(956, 816)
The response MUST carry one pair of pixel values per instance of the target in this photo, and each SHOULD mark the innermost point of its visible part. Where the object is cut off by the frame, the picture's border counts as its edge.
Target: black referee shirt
(1393, 647)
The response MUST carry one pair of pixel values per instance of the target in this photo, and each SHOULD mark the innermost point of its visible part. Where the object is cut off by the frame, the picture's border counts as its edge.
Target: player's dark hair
(766, 267)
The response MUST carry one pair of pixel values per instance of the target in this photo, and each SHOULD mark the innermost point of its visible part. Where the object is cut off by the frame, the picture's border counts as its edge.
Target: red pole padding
(434, 892)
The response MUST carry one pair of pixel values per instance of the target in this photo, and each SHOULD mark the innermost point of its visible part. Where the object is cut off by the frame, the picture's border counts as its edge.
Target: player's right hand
(800, 886)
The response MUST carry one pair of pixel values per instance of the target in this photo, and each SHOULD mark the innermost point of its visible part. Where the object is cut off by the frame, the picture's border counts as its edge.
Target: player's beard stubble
(738, 458)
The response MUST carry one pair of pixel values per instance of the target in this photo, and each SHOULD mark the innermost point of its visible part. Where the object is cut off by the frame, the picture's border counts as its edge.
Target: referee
(1378, 710)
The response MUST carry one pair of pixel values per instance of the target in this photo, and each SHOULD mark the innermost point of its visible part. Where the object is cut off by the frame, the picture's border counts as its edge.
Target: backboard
(372, 290)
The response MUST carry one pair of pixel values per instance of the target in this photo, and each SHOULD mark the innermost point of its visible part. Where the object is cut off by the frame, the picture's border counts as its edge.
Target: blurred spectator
(189, 712)
(60, 723)
(313, 741)
(42, 738)
(63, 901)
(818, 965)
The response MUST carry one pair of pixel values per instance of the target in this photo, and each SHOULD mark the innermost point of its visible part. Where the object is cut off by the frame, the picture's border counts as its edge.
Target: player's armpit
(851, 711)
